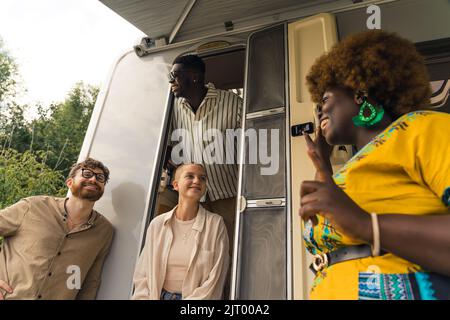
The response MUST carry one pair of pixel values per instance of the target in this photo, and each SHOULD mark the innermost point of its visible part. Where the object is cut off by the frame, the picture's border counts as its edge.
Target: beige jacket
(208, 265)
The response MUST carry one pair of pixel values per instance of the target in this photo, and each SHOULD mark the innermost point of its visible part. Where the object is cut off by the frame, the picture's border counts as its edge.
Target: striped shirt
(220, 110)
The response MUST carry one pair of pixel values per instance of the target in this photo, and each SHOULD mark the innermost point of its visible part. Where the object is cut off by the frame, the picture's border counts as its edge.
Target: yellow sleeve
(431, 152)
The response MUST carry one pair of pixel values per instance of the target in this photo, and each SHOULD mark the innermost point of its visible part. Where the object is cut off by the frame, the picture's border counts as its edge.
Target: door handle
(269, 203)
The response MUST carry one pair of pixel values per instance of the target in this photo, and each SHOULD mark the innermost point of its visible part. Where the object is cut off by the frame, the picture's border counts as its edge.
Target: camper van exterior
(263, 49)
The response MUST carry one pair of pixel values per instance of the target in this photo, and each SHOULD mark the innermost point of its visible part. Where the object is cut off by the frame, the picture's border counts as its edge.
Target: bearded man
(54, 248)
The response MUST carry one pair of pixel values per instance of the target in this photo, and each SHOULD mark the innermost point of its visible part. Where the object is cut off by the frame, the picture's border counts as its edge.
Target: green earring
(375, 116)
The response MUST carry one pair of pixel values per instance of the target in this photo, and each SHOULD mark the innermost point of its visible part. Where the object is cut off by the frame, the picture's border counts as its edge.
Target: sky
(57, 43)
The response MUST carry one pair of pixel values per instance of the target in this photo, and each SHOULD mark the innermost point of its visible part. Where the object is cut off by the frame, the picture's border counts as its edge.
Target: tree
(14, 129)
(60, 131)
(11, 115)
(22, 175)
(8, 74)
(36, 155)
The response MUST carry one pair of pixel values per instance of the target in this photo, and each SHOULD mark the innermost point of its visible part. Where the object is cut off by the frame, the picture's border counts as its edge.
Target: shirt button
(59, 253)
(49, 274)
(39, 296)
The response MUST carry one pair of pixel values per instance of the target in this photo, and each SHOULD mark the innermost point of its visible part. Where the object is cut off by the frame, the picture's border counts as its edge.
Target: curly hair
(382, 64)
(89, 163)
(191, 61)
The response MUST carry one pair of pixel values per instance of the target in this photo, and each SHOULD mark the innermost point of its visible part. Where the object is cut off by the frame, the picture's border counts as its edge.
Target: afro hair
(382, 64)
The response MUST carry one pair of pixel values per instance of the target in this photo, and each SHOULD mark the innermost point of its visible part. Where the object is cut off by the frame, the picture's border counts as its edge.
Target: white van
(261, 49)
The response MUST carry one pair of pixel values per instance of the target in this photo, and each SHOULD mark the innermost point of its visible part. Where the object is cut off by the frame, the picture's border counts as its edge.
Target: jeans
(166, 295)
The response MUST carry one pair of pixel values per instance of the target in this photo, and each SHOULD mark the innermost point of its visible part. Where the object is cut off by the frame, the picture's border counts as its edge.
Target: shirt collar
(212, 91)
(60, 202)
(210, 94)
(199, 219)
(62, 210)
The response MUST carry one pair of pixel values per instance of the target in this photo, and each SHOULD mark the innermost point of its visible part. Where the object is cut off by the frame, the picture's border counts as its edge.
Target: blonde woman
(186, 253)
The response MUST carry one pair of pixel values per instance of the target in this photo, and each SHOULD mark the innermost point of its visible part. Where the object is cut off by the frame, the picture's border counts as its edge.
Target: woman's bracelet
(376, 235)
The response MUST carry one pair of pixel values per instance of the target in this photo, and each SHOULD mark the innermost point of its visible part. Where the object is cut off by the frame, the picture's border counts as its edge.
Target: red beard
(79, 191)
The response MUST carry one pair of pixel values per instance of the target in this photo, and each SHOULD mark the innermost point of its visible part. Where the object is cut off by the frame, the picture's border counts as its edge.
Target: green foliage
(14, 129)
(23, 175)
(8, 73)
(36, 155)
(60, 131)
(50, 143)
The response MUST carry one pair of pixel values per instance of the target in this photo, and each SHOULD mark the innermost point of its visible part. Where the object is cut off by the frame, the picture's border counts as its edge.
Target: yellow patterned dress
(403, 170)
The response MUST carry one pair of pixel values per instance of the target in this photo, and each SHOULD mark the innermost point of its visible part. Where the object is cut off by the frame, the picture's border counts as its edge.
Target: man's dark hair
(89, 163)
(191, 61)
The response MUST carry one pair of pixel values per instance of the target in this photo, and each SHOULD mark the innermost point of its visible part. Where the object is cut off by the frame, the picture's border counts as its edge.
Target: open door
(437, 60)
(270, 260)
(260, 269)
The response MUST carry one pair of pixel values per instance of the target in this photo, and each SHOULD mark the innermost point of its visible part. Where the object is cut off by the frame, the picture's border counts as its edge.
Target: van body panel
(307, 39)
(416, 20)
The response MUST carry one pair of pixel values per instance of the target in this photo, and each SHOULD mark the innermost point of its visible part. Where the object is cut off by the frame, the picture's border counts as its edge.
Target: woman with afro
(379, 227)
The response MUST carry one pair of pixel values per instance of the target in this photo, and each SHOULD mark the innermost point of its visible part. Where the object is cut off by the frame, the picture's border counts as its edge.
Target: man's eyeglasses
(86, 173)
(175, 74)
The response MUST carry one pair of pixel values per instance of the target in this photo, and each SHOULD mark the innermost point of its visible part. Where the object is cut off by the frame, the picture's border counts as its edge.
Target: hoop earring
(375, 116)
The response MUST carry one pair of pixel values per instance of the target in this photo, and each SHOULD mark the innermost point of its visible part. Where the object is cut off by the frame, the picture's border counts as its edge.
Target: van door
(269, 260)
(437, 60)
(260, 246)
